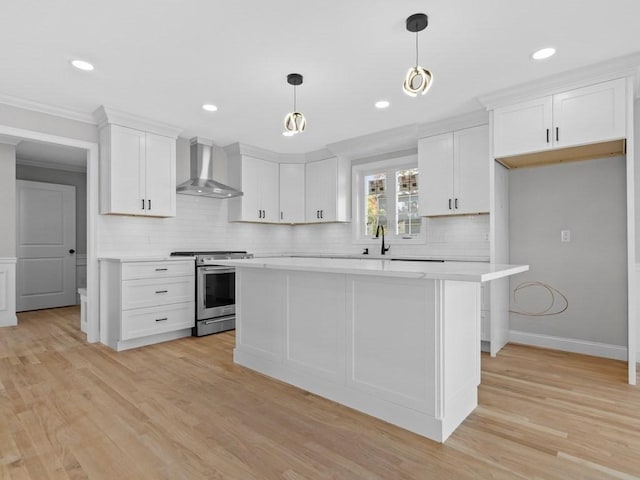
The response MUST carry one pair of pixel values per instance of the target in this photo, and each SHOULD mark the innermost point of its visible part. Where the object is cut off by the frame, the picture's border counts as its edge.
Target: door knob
(72, 251)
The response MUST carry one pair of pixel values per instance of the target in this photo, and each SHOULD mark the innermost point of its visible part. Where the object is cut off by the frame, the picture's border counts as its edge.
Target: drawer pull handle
(161, 319)
(162, 291)
(161, 269)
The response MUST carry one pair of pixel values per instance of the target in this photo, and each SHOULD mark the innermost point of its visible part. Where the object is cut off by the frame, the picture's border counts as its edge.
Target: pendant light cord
(294, 98)
(417, 50)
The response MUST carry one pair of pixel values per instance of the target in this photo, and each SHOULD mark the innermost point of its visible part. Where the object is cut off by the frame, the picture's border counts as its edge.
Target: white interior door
(46, 236)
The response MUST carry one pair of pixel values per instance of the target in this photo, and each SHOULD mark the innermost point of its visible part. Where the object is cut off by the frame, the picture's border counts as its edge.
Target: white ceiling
(163, 59)
(50, 155)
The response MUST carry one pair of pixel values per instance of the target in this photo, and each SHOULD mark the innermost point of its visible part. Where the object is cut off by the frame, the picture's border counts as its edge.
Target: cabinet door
(471, 170)
(522, 128)
(435, 165)
(292, 192)
(591, 114)
(160, 176)
(321, 186)
(126, 172)
(251, 210)
(269, 200)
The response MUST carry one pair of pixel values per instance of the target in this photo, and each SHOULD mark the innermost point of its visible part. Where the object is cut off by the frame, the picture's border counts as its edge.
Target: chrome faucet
(383, 249)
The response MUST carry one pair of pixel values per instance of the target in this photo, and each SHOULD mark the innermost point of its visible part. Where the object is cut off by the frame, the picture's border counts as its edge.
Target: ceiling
(164, 59)
(51, 155)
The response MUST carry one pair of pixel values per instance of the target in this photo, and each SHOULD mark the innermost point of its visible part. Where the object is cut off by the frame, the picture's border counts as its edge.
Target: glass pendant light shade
(294, 122)
(418, 79)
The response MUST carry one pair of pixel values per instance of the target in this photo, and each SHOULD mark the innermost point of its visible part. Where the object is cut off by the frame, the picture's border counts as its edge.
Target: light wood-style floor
(183, 410)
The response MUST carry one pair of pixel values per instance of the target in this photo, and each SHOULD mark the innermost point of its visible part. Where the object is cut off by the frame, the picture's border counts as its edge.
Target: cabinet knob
(72, 251)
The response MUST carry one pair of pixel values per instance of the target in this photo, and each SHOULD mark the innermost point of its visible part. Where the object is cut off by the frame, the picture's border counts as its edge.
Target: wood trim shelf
(613, 148)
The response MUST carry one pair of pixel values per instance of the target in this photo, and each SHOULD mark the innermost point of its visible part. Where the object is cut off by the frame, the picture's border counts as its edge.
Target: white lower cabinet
(146, 302)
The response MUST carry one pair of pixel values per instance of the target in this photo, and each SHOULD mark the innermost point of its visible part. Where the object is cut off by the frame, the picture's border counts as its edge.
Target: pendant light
(418, 79)
(294, 122)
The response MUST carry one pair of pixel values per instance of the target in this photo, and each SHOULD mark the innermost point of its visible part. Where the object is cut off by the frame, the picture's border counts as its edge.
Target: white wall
(7, 235)
(7, 200)
(588, 198)
(46, 123)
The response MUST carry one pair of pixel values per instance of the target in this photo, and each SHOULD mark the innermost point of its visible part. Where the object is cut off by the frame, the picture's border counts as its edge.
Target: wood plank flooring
(183, 410)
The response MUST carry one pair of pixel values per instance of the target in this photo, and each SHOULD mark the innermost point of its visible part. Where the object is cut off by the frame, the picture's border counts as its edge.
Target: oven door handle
(217, 269)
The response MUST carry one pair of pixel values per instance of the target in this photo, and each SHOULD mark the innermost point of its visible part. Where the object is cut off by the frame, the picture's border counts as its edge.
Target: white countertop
(462, 271)
(157, 258)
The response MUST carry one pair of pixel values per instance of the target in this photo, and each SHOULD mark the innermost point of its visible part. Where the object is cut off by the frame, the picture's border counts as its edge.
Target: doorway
(89, 153)
(45, 245)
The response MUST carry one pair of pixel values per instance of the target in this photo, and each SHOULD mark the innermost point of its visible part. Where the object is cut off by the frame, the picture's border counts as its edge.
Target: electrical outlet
(565, 235)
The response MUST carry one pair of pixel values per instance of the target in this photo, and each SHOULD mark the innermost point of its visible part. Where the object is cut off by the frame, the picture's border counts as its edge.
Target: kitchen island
(397, 340)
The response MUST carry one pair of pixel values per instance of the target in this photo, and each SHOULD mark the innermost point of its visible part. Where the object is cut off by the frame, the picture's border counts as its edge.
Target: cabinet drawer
(153, 320)
(157, 269)
(157, 291)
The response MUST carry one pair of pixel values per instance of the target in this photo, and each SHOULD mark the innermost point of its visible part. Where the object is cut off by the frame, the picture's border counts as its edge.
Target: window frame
(390, 167)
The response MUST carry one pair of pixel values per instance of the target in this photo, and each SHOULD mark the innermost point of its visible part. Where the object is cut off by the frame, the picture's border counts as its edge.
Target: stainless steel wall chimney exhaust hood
(199, 183)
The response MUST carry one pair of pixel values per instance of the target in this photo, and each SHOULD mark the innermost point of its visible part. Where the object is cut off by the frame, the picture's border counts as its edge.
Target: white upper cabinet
(259, 181)
(137, 172)
(582, 116)
(328, 193)
(292, 192)
(160, 175)
(591, 114)
(523, 128)
(454, 172)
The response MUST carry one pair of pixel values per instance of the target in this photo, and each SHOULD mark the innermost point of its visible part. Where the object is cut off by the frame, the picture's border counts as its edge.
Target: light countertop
(462, 271)
(157, 258)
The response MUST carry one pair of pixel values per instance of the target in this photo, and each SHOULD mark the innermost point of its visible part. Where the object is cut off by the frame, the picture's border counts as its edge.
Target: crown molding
(105, 115)
(47, 109)
(52, 166)
(13, 141)
(467, 120)
(316, 155)
(386, 141)
(238, 149)
(627, 66)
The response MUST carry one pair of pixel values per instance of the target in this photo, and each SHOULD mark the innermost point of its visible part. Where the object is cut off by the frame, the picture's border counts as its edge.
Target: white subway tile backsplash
(201, 224)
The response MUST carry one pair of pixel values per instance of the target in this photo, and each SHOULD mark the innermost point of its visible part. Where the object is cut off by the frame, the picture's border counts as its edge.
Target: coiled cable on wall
(547, 311)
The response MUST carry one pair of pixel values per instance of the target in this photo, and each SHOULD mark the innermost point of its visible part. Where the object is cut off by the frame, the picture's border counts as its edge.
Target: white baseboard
(573, 345)
(8, 316)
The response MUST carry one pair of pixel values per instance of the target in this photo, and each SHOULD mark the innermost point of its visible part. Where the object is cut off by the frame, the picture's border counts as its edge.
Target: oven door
(216, 292)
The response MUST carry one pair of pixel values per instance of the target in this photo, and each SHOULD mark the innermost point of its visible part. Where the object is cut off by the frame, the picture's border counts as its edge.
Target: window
(386, 195)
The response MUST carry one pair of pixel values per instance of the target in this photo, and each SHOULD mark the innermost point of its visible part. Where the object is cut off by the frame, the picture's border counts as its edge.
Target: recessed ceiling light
(209, 107)
(382, 104)
(543, 53)
(82, 65)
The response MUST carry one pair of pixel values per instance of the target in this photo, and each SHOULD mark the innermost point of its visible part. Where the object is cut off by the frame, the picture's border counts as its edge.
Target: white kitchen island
(397, 340)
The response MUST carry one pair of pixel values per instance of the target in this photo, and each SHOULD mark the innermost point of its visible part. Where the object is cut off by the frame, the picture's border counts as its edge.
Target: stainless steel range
(215, 291)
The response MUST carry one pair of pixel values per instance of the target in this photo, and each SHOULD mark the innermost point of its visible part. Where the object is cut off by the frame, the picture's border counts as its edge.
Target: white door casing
(45, 245)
